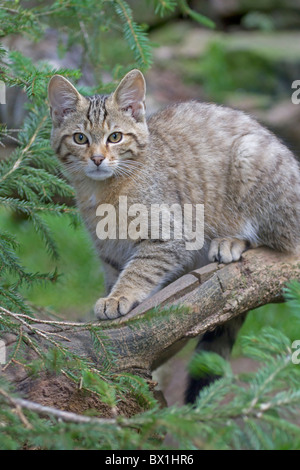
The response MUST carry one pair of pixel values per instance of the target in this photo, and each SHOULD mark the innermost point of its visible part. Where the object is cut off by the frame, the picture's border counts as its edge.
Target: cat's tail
(220, 341)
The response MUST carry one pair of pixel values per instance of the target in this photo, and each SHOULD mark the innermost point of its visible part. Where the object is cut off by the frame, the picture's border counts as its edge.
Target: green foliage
(162, 6)
(31, 178)
(195, 15)
(80, 279)
(209, 363)
(134, 34)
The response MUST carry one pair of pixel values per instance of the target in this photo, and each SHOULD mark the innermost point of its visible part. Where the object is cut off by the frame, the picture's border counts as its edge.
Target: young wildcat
(189, 153)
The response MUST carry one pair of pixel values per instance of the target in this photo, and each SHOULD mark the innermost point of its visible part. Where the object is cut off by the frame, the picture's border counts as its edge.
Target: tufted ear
(63, 98)
(130, 95)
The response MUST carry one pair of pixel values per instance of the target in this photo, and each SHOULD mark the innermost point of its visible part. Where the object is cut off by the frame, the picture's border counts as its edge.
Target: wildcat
(189, 153)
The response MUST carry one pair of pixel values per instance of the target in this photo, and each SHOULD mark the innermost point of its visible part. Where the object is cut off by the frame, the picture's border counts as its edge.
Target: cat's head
(99, 136)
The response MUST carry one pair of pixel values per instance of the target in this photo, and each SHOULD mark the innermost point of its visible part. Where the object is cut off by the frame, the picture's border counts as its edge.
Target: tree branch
(200, 301)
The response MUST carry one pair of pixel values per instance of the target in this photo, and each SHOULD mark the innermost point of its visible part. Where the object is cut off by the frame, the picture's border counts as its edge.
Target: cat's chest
(102, 219)
(101, 214)
(116, 253)
(88, 208)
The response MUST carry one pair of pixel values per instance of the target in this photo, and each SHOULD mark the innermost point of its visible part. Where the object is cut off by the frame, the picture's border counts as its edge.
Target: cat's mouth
(99, 173)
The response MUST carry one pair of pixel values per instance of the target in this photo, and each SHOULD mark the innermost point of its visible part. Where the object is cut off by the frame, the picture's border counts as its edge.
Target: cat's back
(221, 137)
(195, 119)
(225, 159)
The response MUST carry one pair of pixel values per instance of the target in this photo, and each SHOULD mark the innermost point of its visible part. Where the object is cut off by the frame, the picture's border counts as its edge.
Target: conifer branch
(134, 34)
(25, 149)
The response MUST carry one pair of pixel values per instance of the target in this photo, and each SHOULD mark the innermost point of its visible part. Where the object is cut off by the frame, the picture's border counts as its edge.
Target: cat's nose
(97, 159)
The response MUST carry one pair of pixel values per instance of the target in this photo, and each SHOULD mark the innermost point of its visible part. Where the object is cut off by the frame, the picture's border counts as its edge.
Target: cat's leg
(152, 266)
(226, 250)
(111, 276)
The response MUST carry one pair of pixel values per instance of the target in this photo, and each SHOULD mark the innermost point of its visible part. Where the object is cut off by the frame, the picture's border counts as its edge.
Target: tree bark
(204, 298)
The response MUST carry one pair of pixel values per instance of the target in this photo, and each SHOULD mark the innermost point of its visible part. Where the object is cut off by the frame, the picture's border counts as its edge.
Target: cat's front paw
(109, 308)
(226, 250)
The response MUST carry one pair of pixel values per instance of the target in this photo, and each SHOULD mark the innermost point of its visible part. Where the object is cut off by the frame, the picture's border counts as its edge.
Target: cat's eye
(80, 138)
(115, 137)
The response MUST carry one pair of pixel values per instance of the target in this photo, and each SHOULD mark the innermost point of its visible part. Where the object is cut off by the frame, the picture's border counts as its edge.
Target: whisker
(131, 165)
(122, 172)
(119, 172)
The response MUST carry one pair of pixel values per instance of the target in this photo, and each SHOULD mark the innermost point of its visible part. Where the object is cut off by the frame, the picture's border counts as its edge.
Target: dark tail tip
(196, 385)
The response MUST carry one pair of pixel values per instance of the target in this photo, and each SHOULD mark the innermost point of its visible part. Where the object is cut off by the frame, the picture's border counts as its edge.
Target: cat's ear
(63, 98)
(130, 95)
